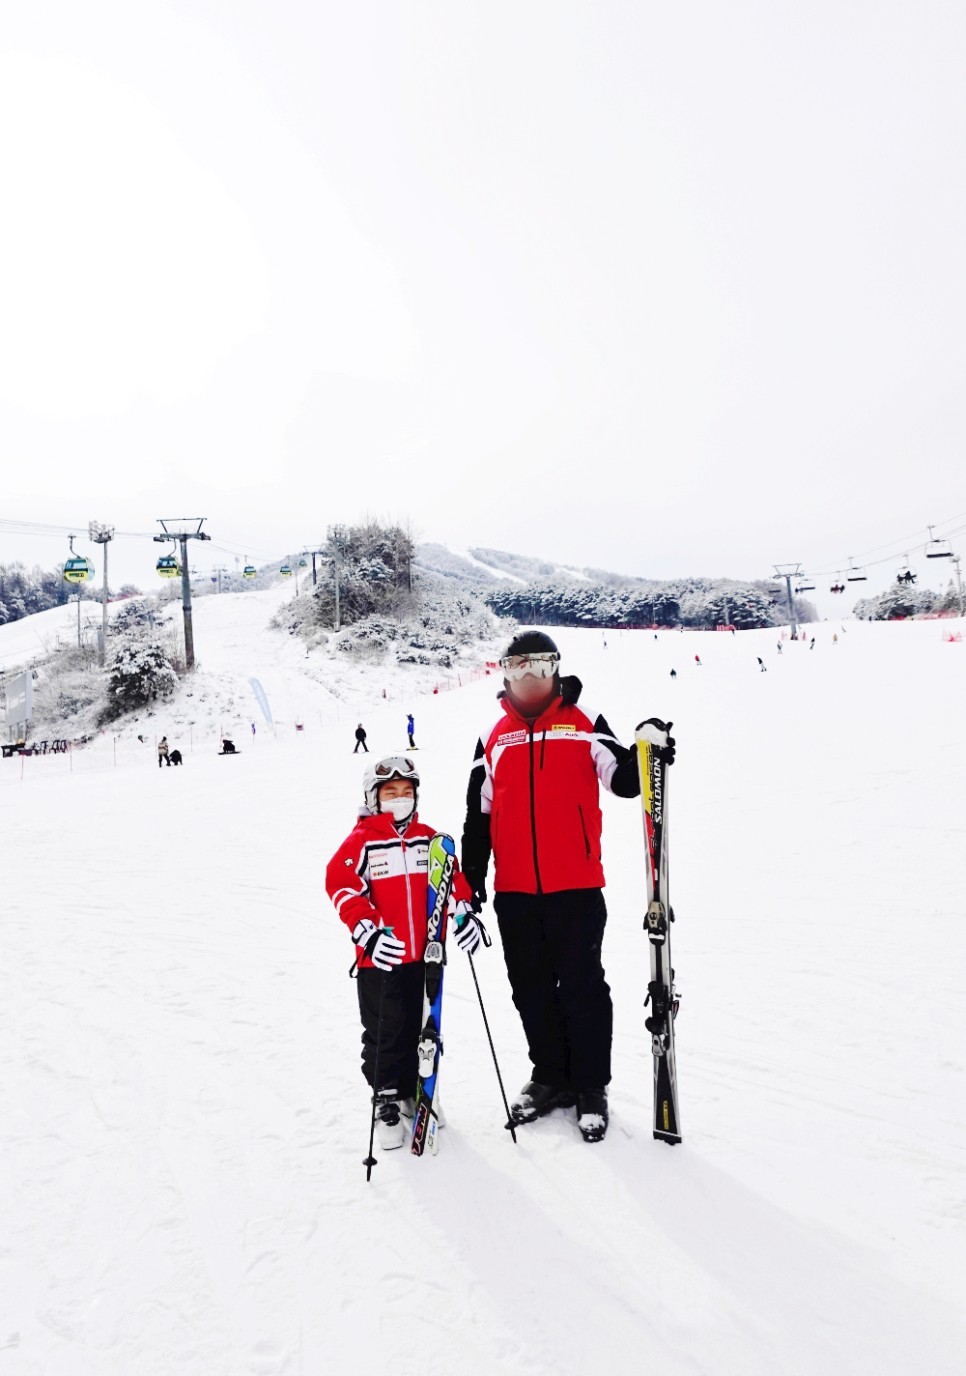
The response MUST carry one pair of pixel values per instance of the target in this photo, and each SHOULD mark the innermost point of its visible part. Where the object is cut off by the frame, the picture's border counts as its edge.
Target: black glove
(478, 884)
(668, 751)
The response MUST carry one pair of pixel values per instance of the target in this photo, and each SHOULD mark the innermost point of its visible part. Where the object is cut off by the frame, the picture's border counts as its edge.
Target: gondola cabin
(249, 571)
(168, 567)
(285, 571)
(78, 569)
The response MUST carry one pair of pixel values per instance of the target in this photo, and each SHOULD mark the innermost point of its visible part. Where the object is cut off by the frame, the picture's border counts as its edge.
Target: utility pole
(313, 555)
(218, 573)
(959, 583)
(788, 572)
(336, 567)
(179, 530)
(102, 535)
(76, 597)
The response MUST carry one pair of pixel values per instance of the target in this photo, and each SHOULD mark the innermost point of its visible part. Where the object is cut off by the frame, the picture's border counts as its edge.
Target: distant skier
(761, 664)
(175, 757)
(835, 638)
(534, 801)
(377, 880)
(811, 643)
(163, 756)
(674, 673)
(697, 660)
(228, 747)
(361, 739)
(410, 729)
(779, 647)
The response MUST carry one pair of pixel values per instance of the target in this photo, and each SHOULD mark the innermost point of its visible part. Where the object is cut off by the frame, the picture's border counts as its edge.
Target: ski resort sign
(19, 704)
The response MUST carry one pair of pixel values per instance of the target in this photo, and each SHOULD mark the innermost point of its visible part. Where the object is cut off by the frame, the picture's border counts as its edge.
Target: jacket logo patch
(379, 866)
(512, 738)
(561, 727)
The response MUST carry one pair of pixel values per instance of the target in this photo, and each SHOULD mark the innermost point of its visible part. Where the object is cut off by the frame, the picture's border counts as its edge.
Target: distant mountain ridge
(478, 565)
(537, 591)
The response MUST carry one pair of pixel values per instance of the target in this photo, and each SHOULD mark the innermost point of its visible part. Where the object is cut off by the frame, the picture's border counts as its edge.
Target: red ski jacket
(377, 873)
(534, 797)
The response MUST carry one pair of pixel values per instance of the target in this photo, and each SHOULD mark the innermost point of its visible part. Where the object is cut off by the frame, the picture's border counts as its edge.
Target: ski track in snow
(181, 1187)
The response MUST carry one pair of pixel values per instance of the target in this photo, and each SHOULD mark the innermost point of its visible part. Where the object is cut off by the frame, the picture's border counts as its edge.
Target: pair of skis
(653, 741)
(442, 869)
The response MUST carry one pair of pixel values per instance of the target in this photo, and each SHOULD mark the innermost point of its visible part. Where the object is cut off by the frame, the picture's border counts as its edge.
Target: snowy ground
(181, 1187)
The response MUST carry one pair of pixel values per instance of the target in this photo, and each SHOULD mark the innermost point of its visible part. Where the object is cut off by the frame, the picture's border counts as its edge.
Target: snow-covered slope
(184, 1121)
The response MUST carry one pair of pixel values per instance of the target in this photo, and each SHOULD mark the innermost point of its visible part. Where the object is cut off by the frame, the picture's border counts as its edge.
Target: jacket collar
(382, 824)
(569, 690)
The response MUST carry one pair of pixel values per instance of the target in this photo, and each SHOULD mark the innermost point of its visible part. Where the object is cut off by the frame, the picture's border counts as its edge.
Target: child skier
(378, 881)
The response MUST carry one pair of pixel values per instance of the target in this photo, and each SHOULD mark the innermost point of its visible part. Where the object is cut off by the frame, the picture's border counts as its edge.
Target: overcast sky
(661, 288)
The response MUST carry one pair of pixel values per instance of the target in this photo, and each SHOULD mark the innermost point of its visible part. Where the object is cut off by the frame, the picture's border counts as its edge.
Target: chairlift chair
(937, 549)
(906, 574)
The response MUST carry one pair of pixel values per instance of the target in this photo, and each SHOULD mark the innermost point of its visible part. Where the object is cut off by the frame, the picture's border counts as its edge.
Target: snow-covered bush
(900, 601)
(140, 673)
(68, 692)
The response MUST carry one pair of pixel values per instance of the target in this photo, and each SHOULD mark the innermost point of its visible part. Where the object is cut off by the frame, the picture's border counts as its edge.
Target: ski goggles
(395, 767)
(516, 667)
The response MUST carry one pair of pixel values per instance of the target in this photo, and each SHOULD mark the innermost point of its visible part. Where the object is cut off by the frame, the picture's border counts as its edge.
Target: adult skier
(163, 754)
(534, 801)
(361, 739)
(411, 731)
(377, 880)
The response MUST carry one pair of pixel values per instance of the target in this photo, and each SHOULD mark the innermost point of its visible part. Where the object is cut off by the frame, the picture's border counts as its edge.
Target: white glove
(469, 930)
(383, 948)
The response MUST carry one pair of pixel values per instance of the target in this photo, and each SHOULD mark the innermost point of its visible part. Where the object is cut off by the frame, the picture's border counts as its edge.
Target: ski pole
(496, 1064)
(370, 1160)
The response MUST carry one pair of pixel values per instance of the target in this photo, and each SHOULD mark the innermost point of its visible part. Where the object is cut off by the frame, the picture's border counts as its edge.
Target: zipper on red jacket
(409, 900)
(583, 828)
(533, 815)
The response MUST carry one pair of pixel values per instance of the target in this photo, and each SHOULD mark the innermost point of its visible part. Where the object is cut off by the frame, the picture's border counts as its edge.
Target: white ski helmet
(392, 767)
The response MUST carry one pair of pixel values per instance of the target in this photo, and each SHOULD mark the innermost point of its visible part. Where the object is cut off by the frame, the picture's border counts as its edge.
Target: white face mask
(399, 809)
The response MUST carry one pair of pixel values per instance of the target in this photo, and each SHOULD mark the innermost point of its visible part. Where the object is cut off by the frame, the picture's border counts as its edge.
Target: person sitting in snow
(378, 882)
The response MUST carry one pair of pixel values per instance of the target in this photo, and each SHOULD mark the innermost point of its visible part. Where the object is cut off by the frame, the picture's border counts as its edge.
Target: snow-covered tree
(140, 673)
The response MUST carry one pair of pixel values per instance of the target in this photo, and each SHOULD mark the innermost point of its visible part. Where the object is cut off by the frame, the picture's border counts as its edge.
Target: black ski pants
(402, 1022)
(552, 949)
